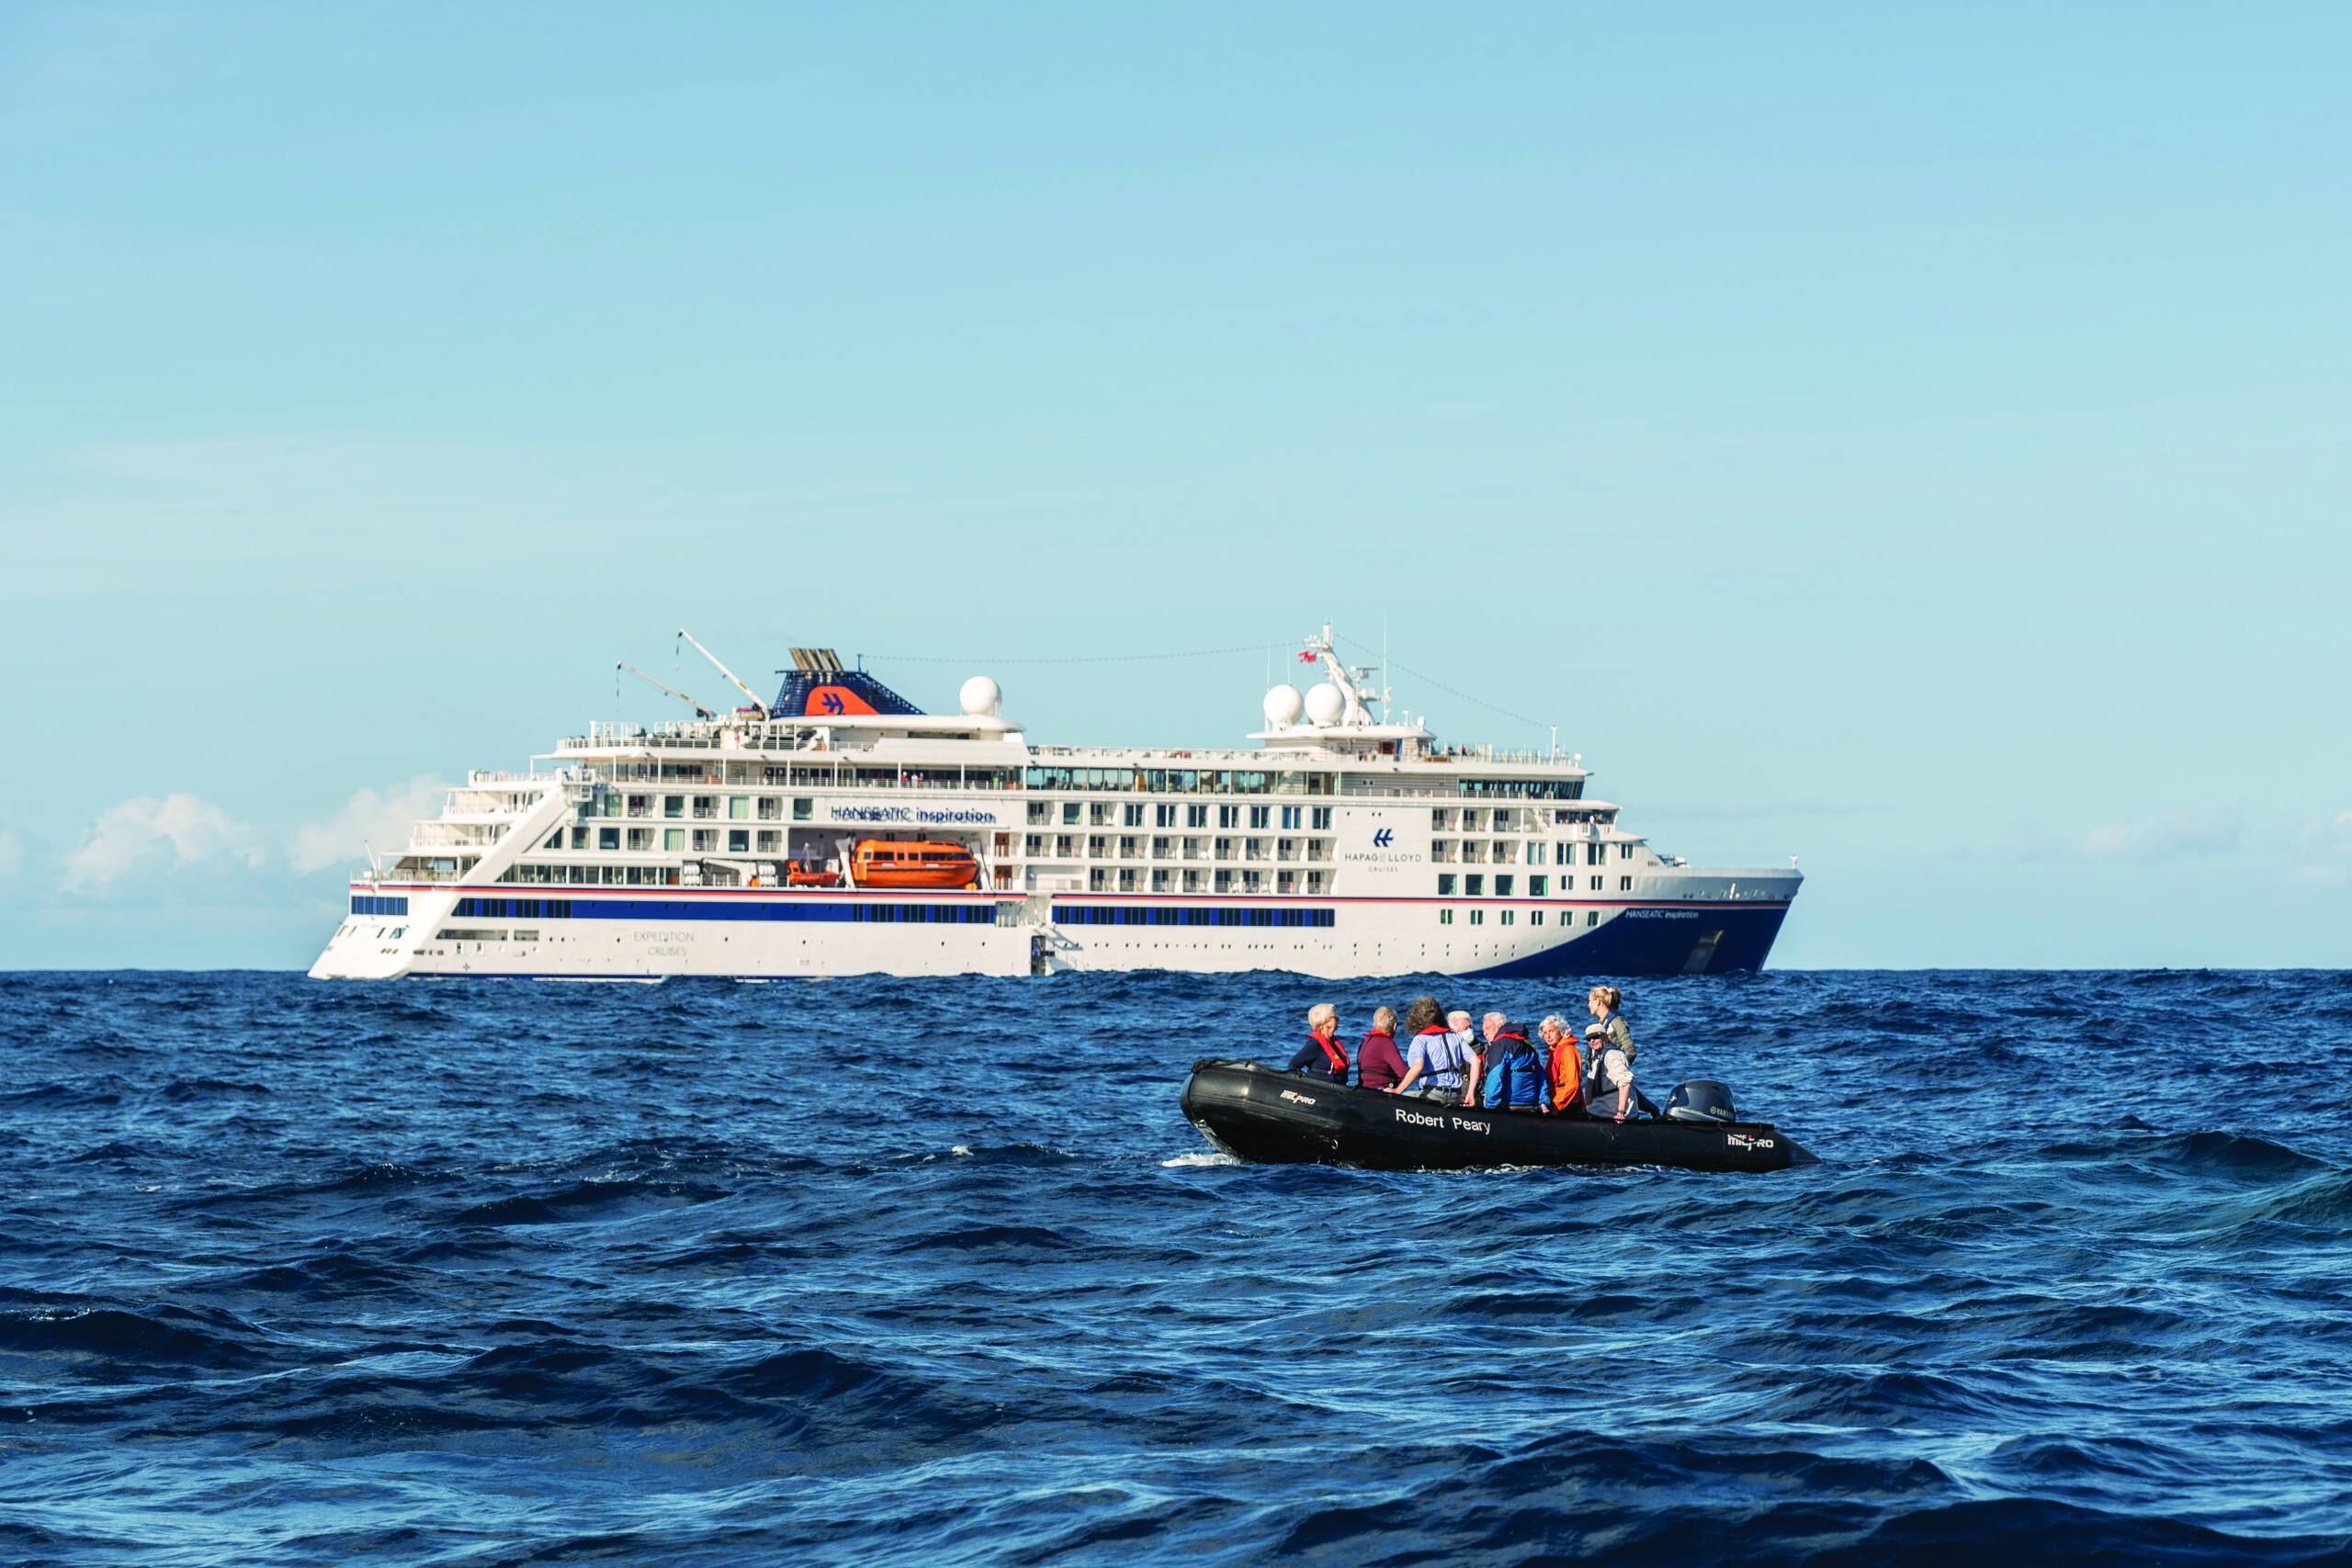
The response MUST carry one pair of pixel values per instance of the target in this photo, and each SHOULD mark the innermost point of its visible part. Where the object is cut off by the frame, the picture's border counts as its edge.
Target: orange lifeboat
(811, 877)
(920, 863)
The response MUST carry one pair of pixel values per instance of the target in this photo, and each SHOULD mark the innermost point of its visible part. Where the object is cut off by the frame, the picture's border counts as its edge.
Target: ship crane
(732, 678)
(700, 711)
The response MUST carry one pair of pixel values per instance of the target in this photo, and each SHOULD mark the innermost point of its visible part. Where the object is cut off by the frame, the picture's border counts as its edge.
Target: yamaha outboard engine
(1701, 1099)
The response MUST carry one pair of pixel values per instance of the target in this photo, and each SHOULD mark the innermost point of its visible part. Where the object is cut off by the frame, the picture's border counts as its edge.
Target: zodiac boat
(1266, 1117)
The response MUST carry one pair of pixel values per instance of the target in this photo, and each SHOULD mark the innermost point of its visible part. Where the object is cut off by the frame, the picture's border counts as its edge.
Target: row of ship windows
(1092, 917)
(1532, 851)
(1076, 813)
(377, 904)
(1474, 886)
(1535, 917)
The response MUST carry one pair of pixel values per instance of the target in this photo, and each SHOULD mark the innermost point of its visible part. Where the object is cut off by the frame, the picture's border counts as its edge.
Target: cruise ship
(842, 830)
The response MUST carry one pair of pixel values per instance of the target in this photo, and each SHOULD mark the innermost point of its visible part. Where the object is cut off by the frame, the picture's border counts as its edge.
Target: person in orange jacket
(1566, 1063)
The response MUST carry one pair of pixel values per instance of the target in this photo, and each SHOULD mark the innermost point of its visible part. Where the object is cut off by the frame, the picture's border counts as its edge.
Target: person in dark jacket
(1515, 1077)
(1322, 1057)
(1378, 1065)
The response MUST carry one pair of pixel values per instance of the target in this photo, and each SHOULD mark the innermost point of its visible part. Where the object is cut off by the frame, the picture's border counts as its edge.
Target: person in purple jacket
(1378, 1064)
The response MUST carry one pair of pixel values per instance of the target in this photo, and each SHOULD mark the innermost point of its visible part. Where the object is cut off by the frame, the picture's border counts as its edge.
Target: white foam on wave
(1198, 1159)
(960, 1149)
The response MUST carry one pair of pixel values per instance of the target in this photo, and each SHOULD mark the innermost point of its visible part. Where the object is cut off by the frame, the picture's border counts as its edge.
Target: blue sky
(1913, 441)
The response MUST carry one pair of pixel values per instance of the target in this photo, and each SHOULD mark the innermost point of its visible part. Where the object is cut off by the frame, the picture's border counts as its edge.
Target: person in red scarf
(1322, 1056)
(1378, 1063)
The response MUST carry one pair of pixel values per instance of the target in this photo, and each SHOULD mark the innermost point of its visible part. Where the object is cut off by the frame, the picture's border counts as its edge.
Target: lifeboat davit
(920, 863)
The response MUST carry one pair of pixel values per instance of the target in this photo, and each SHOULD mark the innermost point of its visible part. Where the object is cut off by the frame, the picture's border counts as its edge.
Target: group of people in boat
(1440, 1056)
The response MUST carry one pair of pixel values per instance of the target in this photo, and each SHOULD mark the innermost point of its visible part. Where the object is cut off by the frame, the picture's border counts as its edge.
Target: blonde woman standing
(1611, 1043)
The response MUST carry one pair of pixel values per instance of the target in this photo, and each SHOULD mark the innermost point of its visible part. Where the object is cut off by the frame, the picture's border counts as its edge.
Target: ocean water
(897, 1271)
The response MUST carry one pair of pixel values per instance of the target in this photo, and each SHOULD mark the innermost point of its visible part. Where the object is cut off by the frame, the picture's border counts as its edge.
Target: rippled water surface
(497, 1273)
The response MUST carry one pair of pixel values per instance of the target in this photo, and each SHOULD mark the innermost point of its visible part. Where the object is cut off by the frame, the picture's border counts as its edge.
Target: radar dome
(1323, 704)
(979, 697)
(1284, 704)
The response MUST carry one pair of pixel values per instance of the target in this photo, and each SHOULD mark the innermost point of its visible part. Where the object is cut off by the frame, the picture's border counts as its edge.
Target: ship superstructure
(1343, 842)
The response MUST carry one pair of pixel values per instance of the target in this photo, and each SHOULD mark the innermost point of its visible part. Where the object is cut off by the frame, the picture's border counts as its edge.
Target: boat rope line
(1432, 680)
(1073, 659)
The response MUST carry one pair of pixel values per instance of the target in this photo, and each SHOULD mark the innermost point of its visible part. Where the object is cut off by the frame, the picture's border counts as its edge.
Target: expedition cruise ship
(840, 830)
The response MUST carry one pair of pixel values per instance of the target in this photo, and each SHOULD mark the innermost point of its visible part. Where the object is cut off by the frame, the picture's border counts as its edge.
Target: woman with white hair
(1322, 1057)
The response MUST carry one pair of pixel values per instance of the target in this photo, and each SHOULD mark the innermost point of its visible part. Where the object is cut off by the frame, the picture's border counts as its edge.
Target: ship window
(1320, 819)
(1474, 884)
(1477, 917)
(673, 839)
(802, 809)
(1507, 916)
(1592, 917)
(1069, 813)
(739, 841)
(1445, 916)
(608, 838)
(1262, 816)
(1625, 884)
(1196, 816)
(1502, 887)
(1133, 816)
(1292, 815)
(1445, 885)
(1537, 887)
(1535, 917)
(1596, 884)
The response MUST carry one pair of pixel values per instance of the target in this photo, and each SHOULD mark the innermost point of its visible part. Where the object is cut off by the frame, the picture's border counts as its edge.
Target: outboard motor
(1699, 1100)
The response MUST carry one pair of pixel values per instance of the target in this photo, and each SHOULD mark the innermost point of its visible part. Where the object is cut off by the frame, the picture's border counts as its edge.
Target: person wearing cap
(1322, 1056)
(1610, 1040)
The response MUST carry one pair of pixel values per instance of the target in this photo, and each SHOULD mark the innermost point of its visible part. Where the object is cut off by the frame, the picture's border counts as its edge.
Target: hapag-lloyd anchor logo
(1383, 850)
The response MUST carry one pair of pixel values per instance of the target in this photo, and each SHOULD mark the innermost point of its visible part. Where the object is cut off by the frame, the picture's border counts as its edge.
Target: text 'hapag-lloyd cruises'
(840, 830)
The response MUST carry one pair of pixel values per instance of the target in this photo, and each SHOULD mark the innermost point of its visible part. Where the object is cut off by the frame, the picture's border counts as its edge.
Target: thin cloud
(2158, 840)
(12, 854)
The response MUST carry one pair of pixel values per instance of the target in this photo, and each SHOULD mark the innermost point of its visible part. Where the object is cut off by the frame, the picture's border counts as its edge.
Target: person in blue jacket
(1516, 1076)
(1322, 1056)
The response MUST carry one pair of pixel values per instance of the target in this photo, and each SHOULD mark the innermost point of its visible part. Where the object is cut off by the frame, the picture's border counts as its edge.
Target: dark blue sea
(885, 1270)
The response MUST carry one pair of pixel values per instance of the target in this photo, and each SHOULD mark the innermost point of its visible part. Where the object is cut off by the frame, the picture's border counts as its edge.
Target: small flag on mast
(1307, 656)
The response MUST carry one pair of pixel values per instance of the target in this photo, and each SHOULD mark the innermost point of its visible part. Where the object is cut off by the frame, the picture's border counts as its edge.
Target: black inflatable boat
(1256, 1113)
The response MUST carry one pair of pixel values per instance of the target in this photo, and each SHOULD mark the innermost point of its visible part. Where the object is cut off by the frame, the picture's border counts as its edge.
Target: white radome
(1284, 704)
(979, 697)
(1324, 703)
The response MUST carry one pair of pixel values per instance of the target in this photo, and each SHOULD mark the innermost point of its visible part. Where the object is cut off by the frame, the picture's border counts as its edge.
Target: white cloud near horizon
(173, 831)
(12, 854)
(371, 817)
(153, 834)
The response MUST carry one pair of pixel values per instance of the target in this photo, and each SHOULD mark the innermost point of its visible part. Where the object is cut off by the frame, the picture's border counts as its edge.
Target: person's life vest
(1334, 1054)
(1567, 1074)
(1514, 1074)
